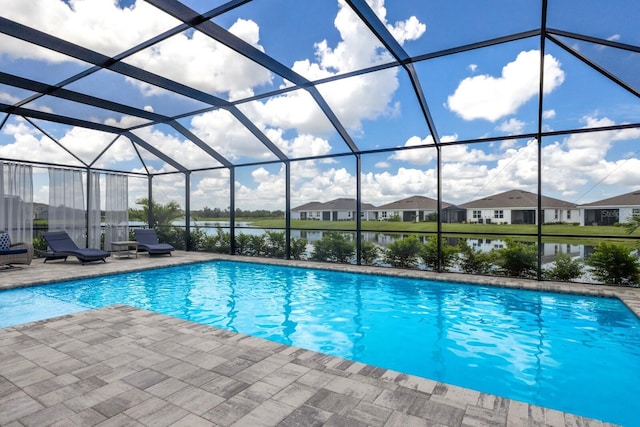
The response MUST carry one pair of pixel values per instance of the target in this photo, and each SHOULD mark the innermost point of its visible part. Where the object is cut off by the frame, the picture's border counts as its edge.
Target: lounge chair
(148, 241)
(13, 253)
(62, 246)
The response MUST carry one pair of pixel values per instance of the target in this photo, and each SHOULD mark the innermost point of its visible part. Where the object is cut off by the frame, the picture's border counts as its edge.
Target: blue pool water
(572, 353)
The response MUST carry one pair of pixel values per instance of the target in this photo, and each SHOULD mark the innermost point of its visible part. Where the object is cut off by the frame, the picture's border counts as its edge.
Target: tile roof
(341, 204)
(413, 203)
(517, 199)
(628, 199)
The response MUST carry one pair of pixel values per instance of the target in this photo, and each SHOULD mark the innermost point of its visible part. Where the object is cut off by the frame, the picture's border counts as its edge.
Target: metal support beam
(439, 207)
(358, 209)
(187, 211)
(540, 219)
(287, 209)
(595, 66)
(87, 216)
(232, 211)
(200, 143)
(150, 218)
(159, 154)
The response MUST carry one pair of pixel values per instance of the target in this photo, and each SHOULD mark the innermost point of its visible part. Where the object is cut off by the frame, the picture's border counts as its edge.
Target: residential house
(612, 210)
(40, 211)
(417, 209)
(342, 209)
(520, 207)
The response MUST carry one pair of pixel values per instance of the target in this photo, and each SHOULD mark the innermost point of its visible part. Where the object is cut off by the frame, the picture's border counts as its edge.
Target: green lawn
(592, 234)
(382, 226)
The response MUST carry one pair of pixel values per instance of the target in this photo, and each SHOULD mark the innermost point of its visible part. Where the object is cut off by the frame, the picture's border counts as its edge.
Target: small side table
(125, 247)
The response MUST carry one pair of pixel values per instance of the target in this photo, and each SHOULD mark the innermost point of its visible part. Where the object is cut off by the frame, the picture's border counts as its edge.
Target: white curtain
(93, 213)
(116, 209)
(16, 201)
(66, 204)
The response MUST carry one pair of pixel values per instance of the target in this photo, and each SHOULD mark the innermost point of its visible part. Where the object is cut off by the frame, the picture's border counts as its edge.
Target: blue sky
(488, 92)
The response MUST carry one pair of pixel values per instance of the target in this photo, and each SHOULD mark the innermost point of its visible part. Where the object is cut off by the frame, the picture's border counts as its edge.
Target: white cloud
(90, 23)
(473, 67)
(103, 26)
(491, 98)
(382, 165)
(365, 97)
(548, 114)
(511, 127)
(569, 166)
(307, 145)
(212, 67)
(7, 98)
(23, 141)
(220, 130)
(96, 24)
(421, 156)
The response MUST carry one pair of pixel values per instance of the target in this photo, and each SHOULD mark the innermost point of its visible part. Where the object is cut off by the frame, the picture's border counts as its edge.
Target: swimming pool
(572, 353)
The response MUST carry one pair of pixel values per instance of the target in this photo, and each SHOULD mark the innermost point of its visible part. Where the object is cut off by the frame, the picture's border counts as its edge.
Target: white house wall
(626, 213)
(564, 215)
(489, 214)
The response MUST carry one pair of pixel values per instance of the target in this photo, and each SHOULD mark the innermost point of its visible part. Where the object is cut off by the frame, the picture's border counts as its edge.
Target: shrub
(429, 253)
(403, 253)
(257, 245)
(475, 262)
(369, 252)
(298, 248)
(613, 264)
(333, 247)
(275, 245)
(41, 244)
(518, 259)
(172, 235)
(197, 238)
(565, 268)
(218, 243)
(243, 244)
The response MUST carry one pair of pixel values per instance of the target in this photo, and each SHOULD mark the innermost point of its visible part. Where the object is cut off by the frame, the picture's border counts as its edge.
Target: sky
(482, 93)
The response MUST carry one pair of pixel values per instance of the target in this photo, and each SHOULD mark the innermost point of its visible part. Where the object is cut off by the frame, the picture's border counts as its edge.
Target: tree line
(164, 214)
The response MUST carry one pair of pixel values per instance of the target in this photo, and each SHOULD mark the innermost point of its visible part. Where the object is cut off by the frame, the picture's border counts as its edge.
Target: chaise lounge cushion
(61, 245)
(148, 241)
(13, 251)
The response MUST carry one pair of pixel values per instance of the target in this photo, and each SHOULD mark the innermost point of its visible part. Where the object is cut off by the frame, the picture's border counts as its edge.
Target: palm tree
(633, 224)
(162, 214)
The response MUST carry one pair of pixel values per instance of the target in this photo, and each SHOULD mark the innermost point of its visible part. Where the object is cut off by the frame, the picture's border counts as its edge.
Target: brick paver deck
(121, 366)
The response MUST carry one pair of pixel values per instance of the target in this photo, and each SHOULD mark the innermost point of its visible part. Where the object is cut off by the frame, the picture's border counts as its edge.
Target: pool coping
(526, 413)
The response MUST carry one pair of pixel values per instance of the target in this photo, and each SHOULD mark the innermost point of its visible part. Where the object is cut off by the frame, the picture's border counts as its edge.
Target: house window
(568, 213)
(477, 214)
(635, 211)
(556, 214)
(498, 214)
(383, 214)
